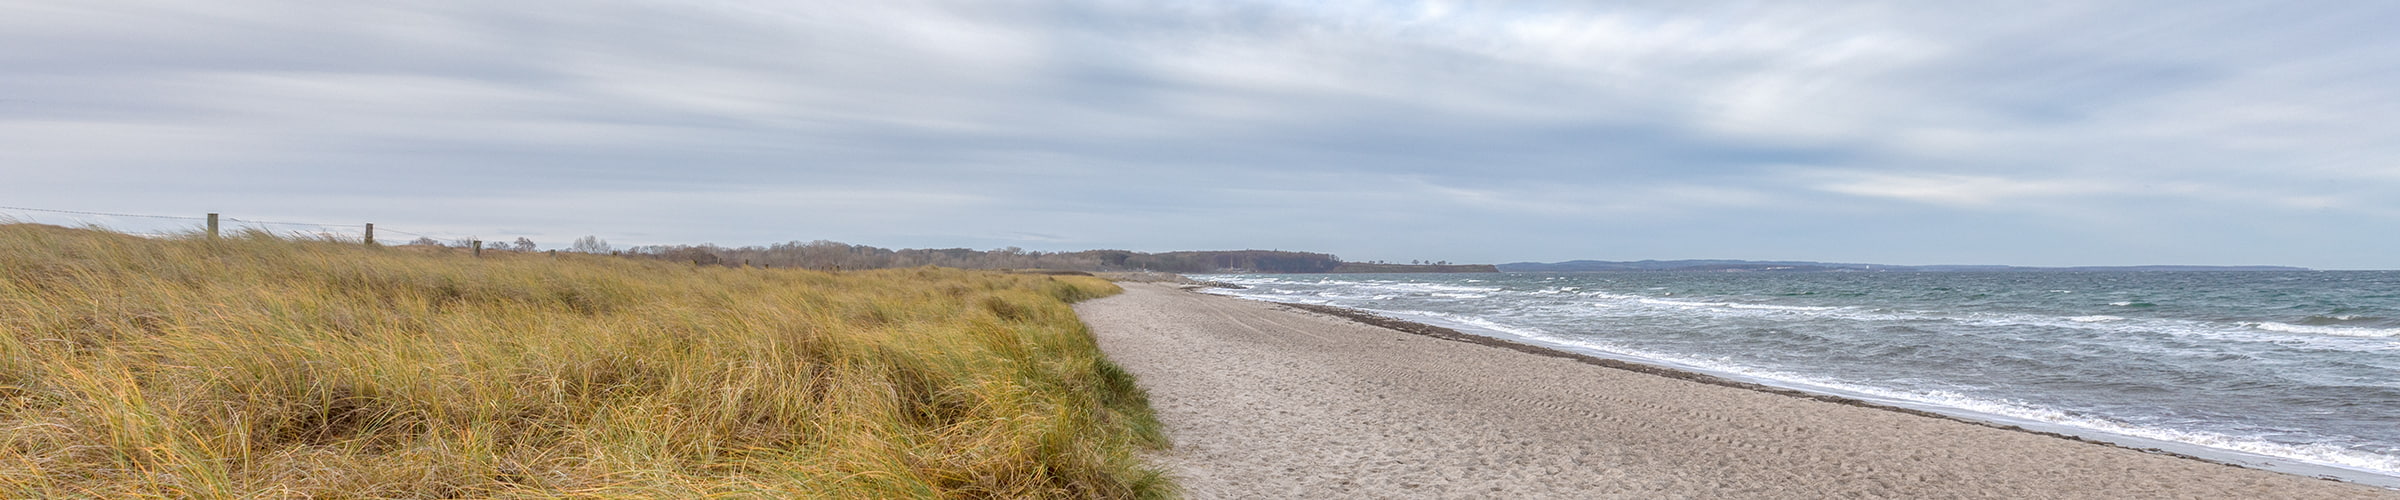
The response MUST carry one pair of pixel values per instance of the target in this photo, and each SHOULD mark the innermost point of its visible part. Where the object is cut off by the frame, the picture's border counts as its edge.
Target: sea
(2297, 371)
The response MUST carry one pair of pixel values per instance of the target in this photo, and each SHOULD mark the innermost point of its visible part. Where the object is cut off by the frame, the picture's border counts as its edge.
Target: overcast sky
(2080, 133)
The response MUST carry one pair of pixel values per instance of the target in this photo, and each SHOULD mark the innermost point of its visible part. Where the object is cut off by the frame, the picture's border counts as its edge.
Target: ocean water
(2276, 366)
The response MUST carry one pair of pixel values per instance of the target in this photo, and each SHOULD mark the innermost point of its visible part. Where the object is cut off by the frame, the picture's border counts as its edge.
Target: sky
(2062, 133)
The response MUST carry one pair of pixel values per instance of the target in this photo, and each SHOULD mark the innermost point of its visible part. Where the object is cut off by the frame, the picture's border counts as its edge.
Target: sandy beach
(1272, 401)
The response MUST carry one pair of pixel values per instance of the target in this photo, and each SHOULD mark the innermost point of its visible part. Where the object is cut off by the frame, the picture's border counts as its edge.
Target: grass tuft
(261, 366)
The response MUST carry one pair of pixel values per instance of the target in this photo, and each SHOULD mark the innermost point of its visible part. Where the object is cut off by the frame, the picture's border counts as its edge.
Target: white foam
(1430, 287)
(2343, 331)
(2335, 338)
(1732, 305)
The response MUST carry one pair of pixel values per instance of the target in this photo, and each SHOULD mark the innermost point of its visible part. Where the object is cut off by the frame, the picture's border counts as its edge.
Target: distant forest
(836, 255)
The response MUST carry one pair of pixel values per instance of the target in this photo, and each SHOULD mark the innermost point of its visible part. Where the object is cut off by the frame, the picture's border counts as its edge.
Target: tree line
(833, 255)
(837, 255)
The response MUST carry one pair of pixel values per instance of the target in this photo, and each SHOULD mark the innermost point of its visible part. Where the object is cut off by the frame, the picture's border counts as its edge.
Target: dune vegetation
(265, 366)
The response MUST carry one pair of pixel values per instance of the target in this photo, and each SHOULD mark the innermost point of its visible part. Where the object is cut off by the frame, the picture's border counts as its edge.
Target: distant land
(1819, 267)
(1359, 267)
(842, 256)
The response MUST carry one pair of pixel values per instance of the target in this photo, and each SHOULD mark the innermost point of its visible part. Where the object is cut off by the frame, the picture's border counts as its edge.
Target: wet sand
(1272, 401)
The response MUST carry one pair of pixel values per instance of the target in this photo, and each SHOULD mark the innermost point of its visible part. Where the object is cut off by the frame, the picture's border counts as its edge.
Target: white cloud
(1588, 201)
(1957, 190)
(1533, 115)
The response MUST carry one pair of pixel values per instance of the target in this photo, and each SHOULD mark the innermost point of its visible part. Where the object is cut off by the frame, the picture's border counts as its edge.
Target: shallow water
(2302, 366)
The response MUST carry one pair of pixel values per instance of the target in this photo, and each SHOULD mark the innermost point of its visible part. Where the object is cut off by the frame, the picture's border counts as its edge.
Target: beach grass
(256, 365)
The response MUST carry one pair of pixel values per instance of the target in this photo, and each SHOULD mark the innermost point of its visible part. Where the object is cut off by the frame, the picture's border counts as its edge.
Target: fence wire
(320, 230)
(101, 213)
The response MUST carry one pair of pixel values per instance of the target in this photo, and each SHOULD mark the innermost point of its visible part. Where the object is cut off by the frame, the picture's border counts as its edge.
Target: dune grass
(259, 366)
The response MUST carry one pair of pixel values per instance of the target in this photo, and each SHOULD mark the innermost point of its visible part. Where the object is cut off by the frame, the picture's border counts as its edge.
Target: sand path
(1265, 401)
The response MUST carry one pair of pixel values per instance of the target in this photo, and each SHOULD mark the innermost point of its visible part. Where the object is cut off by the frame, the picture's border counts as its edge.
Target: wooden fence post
(212, 226)
(478, 248)
(370, 234)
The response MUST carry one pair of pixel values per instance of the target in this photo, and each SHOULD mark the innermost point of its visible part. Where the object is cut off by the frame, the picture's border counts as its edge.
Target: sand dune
(1268, 401)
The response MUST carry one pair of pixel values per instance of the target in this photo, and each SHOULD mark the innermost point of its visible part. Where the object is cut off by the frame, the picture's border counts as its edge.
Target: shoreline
(1264, 399)
(2328, 473)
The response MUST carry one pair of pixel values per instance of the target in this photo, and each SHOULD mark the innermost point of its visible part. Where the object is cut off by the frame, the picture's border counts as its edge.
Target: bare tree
(523, 245)
(589, 244)
(421, 240)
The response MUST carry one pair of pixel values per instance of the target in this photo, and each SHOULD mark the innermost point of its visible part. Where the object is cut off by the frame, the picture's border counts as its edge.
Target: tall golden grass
(260, 366)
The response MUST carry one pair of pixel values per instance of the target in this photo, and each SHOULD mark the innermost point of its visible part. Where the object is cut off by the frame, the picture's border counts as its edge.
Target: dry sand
(1269, 401)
